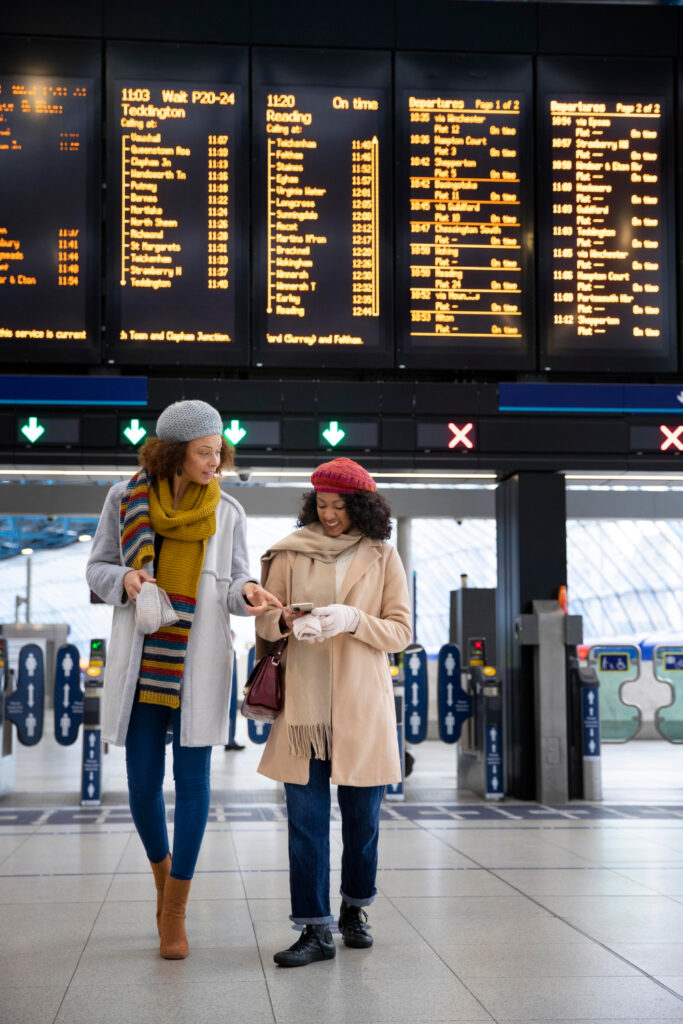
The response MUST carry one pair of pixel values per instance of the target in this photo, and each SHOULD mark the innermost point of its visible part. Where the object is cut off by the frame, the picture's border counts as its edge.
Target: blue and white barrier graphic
(25, 707)
(68, 709)
(416, 695)
(454, 705)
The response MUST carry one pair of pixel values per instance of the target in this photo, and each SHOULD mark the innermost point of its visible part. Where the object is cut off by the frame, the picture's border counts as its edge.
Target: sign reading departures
(606, 231)
(464, 211)
(372, 189)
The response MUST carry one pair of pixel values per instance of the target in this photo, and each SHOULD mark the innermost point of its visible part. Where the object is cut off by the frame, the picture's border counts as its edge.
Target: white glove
(153, 609)
(307, 627)
(336, 618)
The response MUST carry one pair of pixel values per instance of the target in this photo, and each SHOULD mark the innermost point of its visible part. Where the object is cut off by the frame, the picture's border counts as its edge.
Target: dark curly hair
(163, 458)
(368, 511)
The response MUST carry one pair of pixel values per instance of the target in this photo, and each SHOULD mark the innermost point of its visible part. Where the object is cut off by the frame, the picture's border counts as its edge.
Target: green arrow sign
(334, 433)
(134, 431)
(235, 432)
(32, 430)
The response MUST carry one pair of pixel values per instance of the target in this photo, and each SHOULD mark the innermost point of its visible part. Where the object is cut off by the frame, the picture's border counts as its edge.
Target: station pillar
(531, 540)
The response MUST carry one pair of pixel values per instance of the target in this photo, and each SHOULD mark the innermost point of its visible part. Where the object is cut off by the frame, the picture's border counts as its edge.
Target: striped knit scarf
(146, 509)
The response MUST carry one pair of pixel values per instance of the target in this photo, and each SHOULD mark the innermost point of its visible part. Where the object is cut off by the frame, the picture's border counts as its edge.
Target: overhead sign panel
(606, 234)
(465, 203)
(49, 216)
(322, 208)
(178, 195)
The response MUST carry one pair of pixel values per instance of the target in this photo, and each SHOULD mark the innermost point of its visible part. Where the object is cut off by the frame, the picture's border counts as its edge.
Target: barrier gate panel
(667, 667)
(615, 665)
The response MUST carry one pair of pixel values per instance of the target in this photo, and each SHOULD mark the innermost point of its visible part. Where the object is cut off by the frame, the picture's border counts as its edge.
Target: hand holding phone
(302, 607)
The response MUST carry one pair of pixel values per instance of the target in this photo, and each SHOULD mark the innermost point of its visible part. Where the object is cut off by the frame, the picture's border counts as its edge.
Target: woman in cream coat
(338, 722)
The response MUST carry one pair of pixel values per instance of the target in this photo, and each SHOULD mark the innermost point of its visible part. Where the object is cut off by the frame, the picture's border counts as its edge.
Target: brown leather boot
(172, 923)
(161, 869)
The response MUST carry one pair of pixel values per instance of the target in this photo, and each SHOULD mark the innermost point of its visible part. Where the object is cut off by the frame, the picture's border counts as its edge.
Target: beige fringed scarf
(308, 679)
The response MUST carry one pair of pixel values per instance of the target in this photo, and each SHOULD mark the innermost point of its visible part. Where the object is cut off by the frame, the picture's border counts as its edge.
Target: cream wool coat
(364, 742)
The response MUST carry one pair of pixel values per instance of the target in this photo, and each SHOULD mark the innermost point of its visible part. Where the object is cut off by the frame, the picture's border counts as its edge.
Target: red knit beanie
(342, 476)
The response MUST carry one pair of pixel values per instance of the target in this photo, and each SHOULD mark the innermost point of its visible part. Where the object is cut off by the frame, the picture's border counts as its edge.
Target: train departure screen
(174, 163)
(46, 246)
(321, 209)
(463, 210)
(606, 226)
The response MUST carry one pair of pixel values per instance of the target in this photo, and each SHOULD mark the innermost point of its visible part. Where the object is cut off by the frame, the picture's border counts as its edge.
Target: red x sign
(671, 437)
(460, 435)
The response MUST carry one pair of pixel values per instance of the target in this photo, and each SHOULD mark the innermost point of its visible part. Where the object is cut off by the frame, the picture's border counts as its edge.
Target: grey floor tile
(589, 999)
(431, 881)
(30, 927)
(665, 880)
(50, 965)
(325, 988)
(66, 852)
(541, 960)
(262, 884)
(54, 888)
(653, 957)
(170, 998)
(575, 882)
(31, 1004)
(208, 965)
(621, 918)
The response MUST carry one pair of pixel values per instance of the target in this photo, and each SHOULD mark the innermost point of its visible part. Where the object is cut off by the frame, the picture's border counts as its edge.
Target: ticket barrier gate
(667, 667)
(7, 773)
(395, 790)
(615, 665)
(583, 694)
(91, 769)
(550, 631)
(480, 759)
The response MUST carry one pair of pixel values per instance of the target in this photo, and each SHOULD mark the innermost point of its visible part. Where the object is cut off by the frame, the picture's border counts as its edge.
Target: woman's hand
(133, 580)
(337, 618)
(259, 600)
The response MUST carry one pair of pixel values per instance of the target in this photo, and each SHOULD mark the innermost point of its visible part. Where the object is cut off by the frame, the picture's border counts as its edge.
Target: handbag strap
(279, 650)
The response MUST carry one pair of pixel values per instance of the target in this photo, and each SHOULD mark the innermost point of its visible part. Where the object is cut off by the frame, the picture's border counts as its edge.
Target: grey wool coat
(205, 688)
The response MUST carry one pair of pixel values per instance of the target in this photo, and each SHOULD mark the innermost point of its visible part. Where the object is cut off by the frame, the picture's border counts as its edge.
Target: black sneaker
(352, 925)
(233, 746)
(314, 943)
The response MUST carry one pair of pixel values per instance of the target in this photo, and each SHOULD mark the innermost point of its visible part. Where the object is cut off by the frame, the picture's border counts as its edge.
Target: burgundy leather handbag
(263, 692)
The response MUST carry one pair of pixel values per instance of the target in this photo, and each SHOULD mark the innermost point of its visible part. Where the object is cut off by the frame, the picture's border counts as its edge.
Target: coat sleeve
(278, 580)
(391, 630)
(239, 570)
(104, 571)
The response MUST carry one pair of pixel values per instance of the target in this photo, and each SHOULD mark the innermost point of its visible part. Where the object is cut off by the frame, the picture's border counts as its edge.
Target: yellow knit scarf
(185, 530)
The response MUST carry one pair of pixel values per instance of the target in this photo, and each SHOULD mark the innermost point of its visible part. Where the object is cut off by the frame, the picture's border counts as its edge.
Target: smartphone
(303, 607)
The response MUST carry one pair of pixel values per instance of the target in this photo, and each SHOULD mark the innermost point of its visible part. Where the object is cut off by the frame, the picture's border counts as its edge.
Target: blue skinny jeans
(308, 819)
(145, 762)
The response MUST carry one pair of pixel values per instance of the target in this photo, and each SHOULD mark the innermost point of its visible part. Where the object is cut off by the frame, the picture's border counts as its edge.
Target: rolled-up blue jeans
(308, 815)
(145, 762)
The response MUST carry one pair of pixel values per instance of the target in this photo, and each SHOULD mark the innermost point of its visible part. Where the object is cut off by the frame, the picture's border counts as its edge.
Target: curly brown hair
(368, 511)
(164, 458)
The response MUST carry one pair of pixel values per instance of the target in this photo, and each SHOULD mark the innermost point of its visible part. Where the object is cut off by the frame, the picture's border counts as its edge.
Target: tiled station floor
(486, 912)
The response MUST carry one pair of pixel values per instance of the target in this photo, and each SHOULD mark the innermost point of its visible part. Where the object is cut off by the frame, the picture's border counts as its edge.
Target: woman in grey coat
(171, 524)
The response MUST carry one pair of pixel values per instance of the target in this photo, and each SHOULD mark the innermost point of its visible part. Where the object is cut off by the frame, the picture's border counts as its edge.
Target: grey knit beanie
(186, 421)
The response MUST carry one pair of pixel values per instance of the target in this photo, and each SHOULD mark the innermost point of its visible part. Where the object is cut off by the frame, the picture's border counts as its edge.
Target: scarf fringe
(303, 738)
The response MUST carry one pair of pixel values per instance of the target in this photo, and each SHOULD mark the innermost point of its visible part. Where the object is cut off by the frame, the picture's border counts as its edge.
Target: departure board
(322, 264)
(606, 272)
(178, 204)
(48, 180)
(464, 211)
